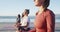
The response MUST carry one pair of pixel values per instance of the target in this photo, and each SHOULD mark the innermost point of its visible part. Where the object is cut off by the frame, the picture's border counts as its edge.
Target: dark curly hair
(27, 11)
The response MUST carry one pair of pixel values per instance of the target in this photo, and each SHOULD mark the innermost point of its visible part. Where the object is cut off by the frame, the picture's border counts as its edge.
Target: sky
(14, 7)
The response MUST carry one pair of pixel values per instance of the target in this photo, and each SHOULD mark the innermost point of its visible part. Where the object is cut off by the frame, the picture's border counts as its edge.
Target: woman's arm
(50, 18)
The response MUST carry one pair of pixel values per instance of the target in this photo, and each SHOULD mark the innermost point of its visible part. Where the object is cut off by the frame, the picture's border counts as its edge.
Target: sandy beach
(9, 27)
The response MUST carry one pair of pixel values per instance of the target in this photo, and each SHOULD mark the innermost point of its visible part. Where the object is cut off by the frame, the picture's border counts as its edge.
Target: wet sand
(9, 27)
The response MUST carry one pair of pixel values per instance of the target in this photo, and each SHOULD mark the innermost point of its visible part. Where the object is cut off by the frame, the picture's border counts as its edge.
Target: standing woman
(45, 18)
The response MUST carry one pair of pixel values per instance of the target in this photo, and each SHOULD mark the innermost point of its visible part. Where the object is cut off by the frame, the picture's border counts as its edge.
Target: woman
(18, 23)
(45, 18)
(25, 21)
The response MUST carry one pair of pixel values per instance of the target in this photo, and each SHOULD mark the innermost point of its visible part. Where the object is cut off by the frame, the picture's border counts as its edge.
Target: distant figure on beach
(45, 18)
(23, 24)
(25, 20)
(18, 23)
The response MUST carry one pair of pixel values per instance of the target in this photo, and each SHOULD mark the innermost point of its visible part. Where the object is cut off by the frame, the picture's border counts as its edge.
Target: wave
(57, 16)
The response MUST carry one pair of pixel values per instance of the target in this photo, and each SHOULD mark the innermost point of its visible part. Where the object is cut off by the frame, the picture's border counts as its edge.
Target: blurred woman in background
(18, 23)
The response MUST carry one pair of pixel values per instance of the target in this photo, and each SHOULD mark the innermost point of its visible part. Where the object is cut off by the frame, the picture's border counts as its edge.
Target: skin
(39, 4)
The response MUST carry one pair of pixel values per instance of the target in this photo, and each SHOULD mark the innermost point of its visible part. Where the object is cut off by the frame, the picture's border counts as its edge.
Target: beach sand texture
(9, 27)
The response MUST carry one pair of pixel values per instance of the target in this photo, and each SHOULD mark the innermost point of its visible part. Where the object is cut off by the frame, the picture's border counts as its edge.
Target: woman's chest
(40, 18)
(40, 21)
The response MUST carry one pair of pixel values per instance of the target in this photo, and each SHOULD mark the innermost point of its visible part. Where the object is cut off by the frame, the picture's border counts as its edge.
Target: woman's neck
(41, 9)
(25, 15)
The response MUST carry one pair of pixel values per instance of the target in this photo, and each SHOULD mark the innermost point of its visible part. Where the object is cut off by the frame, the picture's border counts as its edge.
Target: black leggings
(22, 28)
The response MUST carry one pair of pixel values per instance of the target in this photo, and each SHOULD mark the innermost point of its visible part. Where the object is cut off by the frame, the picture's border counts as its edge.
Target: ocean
(7, 23)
